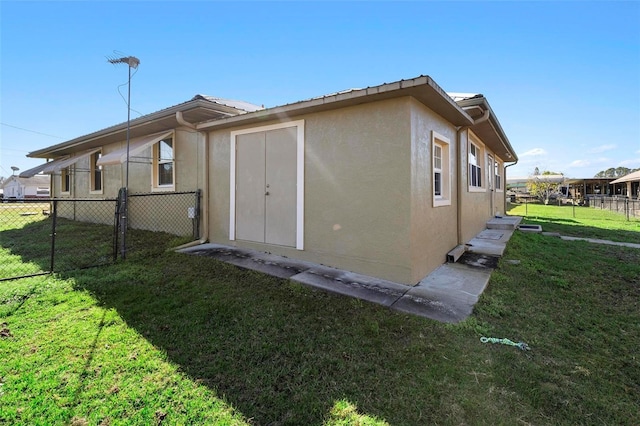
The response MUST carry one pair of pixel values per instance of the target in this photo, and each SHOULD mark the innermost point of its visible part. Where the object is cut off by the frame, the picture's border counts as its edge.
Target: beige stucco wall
(433, 229)
(149, 214)
(368, 191)
(357, 189)
(476, 206)
(189, 169)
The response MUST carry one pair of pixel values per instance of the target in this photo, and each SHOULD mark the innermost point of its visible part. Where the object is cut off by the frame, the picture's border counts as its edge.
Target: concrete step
(504, 222)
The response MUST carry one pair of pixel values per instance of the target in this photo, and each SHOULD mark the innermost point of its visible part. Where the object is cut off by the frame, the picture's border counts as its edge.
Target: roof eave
(496, 127)
(146, 120)
(422, 88)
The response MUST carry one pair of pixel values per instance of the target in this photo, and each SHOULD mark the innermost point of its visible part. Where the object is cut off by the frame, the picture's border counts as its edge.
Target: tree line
(615, 172)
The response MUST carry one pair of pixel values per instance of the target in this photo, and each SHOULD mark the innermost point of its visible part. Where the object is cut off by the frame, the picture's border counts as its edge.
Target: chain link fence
(628, 206)
(170, 215)
(46, 235)
(175, 213)
(55, 235)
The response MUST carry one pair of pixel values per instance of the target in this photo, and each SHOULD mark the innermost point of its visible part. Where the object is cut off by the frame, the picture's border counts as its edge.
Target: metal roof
(590, 180)
(241, 105)
(197, 109)
(422, 88)
(456, 96)
(37, 180)
(208, 112)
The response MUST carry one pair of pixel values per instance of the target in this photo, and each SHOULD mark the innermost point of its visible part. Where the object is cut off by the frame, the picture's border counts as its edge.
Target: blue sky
(562, 77)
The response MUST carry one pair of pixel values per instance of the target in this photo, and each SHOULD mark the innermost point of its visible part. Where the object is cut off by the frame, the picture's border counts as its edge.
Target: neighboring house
(588, 187)
(631, 184)
(382, 181)
(36, 186)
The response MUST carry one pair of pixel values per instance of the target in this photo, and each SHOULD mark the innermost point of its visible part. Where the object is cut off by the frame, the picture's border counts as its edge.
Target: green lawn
(175, 339)
(580, 221)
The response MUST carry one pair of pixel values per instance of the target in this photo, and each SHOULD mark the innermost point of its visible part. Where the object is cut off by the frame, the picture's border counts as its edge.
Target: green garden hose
(523, 346)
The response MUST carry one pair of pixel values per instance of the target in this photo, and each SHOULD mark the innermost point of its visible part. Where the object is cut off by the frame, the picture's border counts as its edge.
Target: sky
(562, 77)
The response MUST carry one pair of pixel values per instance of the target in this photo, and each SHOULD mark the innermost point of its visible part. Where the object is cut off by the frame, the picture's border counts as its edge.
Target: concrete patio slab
(448, 294)
(431, 306)
(351, 284)
(278, 266)
(455, 287)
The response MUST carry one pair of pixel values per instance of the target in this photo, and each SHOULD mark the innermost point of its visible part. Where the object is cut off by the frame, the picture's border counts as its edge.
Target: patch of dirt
(4, 330)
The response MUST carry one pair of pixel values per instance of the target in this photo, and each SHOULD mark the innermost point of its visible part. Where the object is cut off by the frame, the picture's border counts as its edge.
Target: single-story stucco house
(37, 186)
(382, 181)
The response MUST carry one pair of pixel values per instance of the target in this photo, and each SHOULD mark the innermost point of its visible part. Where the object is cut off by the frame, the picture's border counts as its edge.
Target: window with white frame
(65, 180)
(490, 171)
(96, 173)
(163, 161)
(475, 166)
(440, 170)
(498, 167)
(437, 170)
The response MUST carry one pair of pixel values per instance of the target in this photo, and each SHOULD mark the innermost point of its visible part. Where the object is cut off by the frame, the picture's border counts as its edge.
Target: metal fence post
(626, 207)
(124, 207)
(116, 229)
(196, 224)
(54, 213)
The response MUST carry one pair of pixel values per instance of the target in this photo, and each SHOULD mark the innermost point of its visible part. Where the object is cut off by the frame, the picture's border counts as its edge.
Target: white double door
(266, 187)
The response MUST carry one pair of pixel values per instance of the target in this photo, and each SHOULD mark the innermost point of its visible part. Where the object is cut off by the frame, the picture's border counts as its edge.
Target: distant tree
(614, 172)
(536, 172)
(2, 179)
(541, 188)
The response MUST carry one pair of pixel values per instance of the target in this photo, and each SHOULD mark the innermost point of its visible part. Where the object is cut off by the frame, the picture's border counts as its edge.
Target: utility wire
(32, 131)
(125, 99)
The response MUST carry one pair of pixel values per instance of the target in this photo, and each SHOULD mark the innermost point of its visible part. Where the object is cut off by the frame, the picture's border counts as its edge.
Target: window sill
(163, 188)
(441, 202)
(477, 189)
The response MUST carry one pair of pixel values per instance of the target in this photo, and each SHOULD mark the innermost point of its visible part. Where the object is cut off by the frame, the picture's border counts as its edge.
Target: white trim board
(299, 124)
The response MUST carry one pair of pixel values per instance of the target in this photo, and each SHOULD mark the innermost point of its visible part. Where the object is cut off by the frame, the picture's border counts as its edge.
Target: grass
(579, 221)
(168, 338)
(26, 241)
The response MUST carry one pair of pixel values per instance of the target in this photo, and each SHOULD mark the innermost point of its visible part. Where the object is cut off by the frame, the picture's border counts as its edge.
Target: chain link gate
(42, 236)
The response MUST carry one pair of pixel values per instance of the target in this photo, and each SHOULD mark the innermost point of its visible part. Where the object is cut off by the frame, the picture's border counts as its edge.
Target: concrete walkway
(592, 240)
(448, 294)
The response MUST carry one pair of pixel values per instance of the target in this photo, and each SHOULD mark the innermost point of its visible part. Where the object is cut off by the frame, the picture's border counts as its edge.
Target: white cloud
(601, 148)
(533, 152)
(638, 151)
(589, 163)
(632, 164)
(580, 163)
